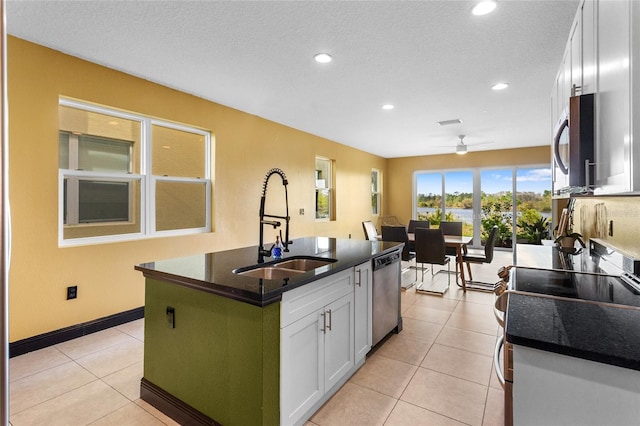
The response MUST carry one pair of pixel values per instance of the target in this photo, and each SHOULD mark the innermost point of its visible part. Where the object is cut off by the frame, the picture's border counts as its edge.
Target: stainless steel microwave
(573, 147)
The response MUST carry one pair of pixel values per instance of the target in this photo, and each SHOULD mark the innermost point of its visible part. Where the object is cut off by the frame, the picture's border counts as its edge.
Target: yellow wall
(399, 182)
(245, 148)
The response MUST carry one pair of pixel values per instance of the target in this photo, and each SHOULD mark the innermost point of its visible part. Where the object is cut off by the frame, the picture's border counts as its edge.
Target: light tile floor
(437, 371)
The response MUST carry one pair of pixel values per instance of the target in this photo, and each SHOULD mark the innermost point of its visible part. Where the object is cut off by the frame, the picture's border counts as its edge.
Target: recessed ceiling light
(484, 7)
(323, 58)
(500, 86)
(388, 106)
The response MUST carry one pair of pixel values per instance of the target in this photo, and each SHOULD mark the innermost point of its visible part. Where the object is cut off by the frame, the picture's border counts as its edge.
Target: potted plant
(567, 240)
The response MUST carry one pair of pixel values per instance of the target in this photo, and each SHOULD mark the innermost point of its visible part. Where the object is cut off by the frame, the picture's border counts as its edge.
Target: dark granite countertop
(597, 332)
(213, 272)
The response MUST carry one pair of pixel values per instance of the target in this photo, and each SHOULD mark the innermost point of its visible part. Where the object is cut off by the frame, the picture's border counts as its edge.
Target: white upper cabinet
(602, 56)
(616, 65)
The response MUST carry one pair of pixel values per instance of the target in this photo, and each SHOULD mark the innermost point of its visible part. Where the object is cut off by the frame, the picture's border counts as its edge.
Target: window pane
(180, 205)
(177, 153)
(63, 150)
(103, 154)
(429, 197)
(374, 203)
(88, 124)
(101, 201)
(496, 202)
(375, 196)
(323, 203)
(459, 200)
(323, 173)
(533, 203)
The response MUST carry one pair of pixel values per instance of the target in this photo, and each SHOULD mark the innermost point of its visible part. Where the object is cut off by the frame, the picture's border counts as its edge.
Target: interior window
(324, 189)
(375, 192)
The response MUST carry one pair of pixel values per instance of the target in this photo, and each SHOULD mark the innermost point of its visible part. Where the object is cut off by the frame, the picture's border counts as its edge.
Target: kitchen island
(219, 345)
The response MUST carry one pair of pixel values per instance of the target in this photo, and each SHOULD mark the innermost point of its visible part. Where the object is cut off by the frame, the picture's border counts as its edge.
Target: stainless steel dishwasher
(386, 296)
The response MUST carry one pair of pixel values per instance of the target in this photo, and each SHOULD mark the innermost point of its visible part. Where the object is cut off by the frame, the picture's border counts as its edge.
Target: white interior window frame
(146, 181)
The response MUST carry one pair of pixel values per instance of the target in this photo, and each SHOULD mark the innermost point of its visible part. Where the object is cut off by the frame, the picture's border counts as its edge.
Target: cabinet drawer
(304, 300)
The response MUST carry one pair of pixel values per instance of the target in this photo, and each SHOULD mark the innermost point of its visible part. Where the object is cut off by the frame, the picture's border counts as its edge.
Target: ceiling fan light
(461, 149)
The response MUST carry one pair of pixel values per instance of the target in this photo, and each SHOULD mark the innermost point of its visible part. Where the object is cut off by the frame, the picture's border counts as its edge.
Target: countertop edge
(227, 292)
(254, 298)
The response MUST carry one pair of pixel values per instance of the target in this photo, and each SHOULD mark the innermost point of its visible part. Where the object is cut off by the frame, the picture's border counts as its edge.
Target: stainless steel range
(606, 277)
(610, 276)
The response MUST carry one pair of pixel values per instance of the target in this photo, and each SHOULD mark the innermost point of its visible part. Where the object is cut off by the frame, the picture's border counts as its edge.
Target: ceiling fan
(461, 147)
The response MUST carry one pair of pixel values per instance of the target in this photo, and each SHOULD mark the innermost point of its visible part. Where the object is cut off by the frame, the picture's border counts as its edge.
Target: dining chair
(480, 258)
(413, 224)
(411, 229)
(370, 231)
(399, 234)
(451, 228)
(430, 248)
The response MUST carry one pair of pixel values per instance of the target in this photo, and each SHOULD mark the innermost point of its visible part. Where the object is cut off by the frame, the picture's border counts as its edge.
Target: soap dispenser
(277, 248)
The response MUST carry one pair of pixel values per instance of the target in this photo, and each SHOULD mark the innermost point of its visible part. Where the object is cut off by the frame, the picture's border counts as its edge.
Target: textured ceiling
(432, 59)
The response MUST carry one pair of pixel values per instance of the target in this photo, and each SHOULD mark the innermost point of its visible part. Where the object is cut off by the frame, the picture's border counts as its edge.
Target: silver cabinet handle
(496, 360)
(359, 282)
(330, 319)
(324, 323)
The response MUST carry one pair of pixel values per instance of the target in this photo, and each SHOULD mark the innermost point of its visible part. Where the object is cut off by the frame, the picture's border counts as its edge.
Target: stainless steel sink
(285, 268)
(270, 273)
(305, 264)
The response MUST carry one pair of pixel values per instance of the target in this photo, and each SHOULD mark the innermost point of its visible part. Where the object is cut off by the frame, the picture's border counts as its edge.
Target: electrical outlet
(72, 292)
(171, 317)
(301, 212)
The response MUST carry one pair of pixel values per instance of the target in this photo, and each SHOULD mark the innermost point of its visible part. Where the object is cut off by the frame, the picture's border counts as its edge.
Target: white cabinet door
(613, 103)
(575, 56)
(588, 48)
(302, 366)
(316, 343)
(555, 389)
(363, 300)
(564, 81)
(338, 340)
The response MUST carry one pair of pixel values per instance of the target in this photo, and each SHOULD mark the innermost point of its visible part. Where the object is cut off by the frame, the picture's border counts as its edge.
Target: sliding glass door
(516, 200)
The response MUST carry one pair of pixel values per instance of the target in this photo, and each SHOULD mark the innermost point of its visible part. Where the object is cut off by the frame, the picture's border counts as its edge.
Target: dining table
(459, 242)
